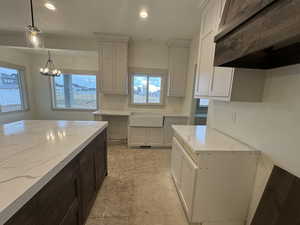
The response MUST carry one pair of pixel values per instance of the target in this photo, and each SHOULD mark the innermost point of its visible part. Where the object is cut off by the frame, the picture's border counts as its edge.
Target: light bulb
(41, 70)
(46, 70)
(144, 14)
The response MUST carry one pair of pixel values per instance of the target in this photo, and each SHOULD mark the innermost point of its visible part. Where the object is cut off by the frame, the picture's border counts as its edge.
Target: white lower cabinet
(145, 136)
(215, 187)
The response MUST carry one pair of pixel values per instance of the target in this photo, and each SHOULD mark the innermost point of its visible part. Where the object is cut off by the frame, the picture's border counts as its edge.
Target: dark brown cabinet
(260, 34)
(68, 198)
(87, 179)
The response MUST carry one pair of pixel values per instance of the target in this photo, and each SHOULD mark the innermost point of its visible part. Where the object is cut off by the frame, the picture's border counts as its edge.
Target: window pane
(75, 91)
(203, 102)
(10, 90)
(59, 92)
(154, 90)
(140, 89)
(83, 93)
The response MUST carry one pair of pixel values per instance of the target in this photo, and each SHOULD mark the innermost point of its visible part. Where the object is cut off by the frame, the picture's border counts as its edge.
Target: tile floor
(138, 190)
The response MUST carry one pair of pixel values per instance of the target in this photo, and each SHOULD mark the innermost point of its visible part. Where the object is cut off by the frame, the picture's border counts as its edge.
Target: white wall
(144, 54)
(14, 56)
(75, 60)
(272, 126)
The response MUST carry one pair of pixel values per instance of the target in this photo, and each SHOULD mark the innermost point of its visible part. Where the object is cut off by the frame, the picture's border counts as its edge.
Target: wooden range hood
(260, 34)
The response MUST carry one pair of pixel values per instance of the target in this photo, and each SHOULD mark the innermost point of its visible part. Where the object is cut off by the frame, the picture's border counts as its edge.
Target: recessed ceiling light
(143, 14)
(50, 6)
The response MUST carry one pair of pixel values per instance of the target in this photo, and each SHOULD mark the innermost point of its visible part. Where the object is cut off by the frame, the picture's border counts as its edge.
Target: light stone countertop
(128, 113)
(202, 138)
(32, 152)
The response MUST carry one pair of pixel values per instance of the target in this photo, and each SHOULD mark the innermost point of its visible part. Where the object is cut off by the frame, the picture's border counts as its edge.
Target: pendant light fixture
(33, 34)
(50, 69)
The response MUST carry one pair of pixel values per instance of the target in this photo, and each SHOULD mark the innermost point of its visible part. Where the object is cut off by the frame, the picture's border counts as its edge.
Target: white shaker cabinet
(222, 83)
(213, 174)
(204, 73)
(178, 67)
(113, 64)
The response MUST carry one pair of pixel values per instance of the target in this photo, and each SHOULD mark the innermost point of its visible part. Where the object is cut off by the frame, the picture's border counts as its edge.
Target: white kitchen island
(214, 175)
(34, 154)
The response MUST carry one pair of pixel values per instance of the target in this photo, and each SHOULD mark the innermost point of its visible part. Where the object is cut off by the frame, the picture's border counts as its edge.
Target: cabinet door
(178, 64)
(176, 162)
(210, 19)
(58, 196)
(205, 68)
(113, 68)
(72, 217)
(27, 215)
(87, 180)
(222, 82)
(168, 131)
(155, 136)
(100, 159)
(137, 136)
(188, 178)
(106, 68)
(120, 78)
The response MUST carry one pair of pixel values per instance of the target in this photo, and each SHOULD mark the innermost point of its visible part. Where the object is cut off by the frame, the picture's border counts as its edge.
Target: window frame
(74, 72)
(149, 73)
(23, 86)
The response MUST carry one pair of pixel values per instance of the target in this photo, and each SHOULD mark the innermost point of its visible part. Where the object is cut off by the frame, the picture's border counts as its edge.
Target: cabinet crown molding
(183, 43)
(108, 37)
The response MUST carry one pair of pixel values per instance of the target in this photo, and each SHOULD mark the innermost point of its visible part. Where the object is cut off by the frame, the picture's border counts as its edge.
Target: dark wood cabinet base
(68, 198)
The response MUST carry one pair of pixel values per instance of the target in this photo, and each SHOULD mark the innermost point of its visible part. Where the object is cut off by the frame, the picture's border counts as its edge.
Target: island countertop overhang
(32, 152)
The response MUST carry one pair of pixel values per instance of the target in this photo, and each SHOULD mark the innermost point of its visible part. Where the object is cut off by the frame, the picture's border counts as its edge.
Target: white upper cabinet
(222, 83)
(113, 64)
(206, 48)
(178, 67)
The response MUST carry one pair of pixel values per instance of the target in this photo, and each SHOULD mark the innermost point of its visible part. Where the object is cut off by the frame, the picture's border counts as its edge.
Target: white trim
(149, 73)
(74, 72)
(22, 87)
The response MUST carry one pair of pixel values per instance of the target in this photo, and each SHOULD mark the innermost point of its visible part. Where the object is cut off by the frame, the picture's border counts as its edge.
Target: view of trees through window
(75, 91)
(146, 89)
(11, 97)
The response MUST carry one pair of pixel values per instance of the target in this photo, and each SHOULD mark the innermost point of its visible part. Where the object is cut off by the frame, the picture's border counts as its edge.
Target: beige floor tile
(108, 221)
(138, 190)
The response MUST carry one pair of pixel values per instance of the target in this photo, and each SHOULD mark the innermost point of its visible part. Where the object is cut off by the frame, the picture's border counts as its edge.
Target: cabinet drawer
(55, 200)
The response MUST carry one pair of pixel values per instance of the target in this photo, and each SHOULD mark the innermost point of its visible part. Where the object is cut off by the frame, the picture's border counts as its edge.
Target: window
(146, 88)
(75, 91)
(12, 89)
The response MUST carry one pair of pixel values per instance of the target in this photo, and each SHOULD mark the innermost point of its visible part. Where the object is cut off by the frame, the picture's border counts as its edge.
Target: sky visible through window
(10, 90)
(146, 89)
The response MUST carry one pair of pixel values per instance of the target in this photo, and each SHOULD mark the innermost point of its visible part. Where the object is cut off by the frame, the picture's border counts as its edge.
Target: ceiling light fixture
(33, 34)
(144, 14)
(50, 70)
(50, 6)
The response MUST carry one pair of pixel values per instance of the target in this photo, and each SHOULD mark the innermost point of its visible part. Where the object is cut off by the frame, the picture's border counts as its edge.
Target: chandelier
(50, 69)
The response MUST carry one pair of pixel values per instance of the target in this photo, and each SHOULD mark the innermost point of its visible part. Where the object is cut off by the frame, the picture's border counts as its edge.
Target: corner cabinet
(113, 64)
(222, 83)
(178, 67)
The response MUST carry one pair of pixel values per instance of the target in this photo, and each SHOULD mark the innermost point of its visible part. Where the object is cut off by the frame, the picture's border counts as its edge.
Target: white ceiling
(167, 18)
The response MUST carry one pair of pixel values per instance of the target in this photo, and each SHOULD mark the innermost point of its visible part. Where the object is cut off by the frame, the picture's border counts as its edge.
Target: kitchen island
(50, 171)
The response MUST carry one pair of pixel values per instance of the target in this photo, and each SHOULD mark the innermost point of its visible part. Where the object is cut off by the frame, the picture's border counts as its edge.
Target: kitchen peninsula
(50, 169)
